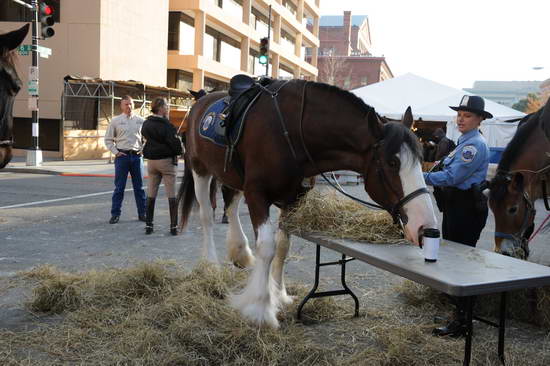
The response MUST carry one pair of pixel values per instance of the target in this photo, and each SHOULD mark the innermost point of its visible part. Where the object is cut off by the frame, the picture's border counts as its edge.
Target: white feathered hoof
(285, 298)
(261, 311)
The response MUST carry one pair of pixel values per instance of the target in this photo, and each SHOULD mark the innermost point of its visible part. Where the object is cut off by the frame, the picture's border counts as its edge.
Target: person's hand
(119, 154)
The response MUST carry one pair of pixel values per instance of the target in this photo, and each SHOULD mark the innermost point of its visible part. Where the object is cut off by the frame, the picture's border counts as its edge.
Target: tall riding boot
(149, 213)
(173, 206)
(457, 326)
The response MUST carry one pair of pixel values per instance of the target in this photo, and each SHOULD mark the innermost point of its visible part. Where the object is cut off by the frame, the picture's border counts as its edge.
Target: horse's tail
(186, 195)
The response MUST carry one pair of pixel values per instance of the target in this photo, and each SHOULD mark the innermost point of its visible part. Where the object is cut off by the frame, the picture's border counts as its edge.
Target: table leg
(469, 330)
(502, 327)
(315, 284)
(345, 286)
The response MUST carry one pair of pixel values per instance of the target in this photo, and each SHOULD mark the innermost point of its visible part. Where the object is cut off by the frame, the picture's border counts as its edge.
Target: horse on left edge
(9, 87)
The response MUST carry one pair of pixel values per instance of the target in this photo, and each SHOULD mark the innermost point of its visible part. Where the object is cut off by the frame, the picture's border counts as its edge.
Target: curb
(30, 171)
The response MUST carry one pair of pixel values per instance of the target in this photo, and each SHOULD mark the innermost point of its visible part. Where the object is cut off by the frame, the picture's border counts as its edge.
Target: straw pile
(157, 314)
(337, 216)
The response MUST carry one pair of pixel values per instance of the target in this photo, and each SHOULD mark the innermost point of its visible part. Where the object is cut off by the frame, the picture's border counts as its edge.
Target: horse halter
(395, 210)
(530, 211)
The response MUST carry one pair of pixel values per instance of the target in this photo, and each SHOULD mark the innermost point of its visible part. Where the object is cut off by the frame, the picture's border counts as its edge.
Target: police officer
(460, 175)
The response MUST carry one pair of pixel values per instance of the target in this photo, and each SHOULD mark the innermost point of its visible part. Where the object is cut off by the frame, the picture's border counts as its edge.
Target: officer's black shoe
(148, 229)
(114, 219)
(455, 328)
(224, 219)
(142, 218)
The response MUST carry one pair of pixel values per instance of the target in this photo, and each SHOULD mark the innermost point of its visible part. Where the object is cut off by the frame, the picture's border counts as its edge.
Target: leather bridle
(529, 213)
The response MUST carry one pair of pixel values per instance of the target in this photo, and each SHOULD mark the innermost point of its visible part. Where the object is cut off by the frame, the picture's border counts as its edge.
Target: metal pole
(34, 155)
(268, 42)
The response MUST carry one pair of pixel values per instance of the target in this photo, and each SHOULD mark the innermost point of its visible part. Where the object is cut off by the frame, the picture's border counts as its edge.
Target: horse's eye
(512, 210)
(394, 162)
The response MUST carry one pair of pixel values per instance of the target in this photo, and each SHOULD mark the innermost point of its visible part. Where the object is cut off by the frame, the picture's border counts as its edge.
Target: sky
(457, 42)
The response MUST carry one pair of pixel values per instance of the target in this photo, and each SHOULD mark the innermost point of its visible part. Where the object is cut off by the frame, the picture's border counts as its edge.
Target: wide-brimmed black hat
(13, 39)
(473, 103)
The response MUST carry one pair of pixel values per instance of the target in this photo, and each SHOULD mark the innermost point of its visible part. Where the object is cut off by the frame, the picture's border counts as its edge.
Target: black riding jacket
(161, 139)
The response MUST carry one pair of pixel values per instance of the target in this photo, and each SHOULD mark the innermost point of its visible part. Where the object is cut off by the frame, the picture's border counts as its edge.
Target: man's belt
(130, 152)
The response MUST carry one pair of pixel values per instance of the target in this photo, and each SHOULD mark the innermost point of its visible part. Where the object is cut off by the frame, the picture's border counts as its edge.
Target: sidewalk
(79, 168)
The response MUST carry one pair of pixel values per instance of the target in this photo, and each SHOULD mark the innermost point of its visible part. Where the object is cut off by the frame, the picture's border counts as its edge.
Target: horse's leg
(213, 191)
(237, 244)
(282, 240)
(202, 192)
(258, 301)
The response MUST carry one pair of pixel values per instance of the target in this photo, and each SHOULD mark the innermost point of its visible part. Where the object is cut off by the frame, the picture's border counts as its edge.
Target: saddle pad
(211, 119)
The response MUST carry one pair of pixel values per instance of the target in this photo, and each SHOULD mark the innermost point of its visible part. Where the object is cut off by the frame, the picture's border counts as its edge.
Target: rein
(395, 209)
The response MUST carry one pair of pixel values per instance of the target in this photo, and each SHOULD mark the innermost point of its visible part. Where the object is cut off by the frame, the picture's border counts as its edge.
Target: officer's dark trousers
(462, 220)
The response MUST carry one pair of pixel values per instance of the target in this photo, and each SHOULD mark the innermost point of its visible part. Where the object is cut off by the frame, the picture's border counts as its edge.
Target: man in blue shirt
(461, 172)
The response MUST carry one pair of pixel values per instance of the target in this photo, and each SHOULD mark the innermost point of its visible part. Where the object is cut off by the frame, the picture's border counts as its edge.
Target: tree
(528, 105)
(333, 70)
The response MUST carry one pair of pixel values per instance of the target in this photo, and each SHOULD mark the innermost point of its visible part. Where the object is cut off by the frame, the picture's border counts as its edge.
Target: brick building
(345, 52)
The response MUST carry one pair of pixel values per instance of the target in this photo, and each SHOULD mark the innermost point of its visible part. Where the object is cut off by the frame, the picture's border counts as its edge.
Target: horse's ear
(407, 119)
(516, 182)
(375, 123)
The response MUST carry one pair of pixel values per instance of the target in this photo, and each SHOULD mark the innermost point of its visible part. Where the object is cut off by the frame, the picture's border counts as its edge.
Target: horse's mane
(526, 127)
(395, 134)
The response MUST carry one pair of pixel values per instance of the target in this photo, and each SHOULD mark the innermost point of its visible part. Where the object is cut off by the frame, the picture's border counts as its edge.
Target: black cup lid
(431, 233)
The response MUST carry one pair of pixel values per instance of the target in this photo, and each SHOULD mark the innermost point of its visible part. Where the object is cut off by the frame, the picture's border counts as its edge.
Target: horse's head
(514, 214)
(394, 176)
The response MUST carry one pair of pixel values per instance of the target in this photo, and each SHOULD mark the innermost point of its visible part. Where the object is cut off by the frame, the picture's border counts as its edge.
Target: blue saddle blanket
(211, 125)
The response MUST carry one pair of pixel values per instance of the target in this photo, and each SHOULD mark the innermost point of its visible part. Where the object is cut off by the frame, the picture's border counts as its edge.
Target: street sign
(33, 72)
(45, 52)
(24, 49)
(32, 87)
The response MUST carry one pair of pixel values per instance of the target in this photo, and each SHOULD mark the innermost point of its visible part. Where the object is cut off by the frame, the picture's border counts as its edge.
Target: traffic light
(46, 19)
(264, 51)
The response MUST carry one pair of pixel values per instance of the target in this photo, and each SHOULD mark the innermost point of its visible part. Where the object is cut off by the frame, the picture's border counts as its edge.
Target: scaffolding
(89, 100)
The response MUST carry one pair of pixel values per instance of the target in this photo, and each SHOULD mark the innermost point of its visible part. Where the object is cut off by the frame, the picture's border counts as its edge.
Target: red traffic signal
(46, 19)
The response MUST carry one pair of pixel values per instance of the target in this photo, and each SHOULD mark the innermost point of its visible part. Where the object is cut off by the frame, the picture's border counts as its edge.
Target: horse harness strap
(274, 95)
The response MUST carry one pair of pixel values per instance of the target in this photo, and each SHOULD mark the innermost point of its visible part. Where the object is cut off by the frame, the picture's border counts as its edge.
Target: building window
(13, 12)
(179, 79)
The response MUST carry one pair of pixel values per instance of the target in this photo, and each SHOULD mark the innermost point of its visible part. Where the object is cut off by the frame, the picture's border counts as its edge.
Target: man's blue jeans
(123, 165)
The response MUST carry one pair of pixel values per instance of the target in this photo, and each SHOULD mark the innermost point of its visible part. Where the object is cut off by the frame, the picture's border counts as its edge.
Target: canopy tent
(430, 101)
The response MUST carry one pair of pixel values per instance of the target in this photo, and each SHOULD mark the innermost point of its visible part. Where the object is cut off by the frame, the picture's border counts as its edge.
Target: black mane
(526, 127)
(395, 134)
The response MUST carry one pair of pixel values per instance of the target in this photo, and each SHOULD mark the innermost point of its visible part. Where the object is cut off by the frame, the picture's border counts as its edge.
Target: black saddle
(238, 84)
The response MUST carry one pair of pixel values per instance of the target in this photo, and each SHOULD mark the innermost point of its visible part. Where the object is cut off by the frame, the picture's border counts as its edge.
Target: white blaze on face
(419, 210)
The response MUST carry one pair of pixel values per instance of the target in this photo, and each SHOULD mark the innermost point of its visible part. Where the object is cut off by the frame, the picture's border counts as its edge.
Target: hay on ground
(157, 314)
(335, 215)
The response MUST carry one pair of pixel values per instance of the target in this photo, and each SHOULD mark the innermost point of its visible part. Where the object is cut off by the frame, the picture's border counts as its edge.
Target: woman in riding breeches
(162, 147)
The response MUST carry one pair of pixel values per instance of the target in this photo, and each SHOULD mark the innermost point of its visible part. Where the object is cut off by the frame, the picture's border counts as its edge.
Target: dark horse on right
(296, 129)
(10, 84)
(522, 177)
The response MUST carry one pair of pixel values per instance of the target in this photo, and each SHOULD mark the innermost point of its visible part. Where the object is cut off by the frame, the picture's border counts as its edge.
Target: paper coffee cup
(430, 244)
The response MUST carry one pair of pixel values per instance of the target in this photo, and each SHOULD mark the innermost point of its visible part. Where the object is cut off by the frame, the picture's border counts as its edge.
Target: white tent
(430, 101)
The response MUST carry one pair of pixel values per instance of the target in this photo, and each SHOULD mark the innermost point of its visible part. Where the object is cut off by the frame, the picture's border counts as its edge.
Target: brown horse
(522, 177)
(320, 128)
(9, 86)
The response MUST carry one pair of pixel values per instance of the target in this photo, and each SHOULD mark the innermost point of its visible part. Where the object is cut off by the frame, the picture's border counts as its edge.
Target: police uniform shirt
(124, 133)
(465, 165)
